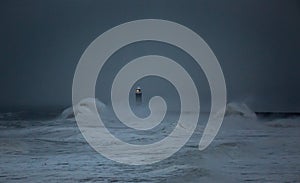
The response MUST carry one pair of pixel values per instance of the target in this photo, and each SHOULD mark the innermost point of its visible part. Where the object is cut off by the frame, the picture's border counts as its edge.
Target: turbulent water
(245, 150)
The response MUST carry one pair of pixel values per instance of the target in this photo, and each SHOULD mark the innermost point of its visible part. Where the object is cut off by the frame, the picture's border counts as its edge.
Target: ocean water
(45, 148)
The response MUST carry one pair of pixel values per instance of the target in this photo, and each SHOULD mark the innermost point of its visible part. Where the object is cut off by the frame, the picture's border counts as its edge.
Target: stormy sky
(257, 43)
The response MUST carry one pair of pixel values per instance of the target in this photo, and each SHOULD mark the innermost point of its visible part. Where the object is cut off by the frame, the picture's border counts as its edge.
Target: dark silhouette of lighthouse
(138, 96)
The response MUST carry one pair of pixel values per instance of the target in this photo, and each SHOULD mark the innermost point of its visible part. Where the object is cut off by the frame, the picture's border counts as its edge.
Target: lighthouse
(138, 96)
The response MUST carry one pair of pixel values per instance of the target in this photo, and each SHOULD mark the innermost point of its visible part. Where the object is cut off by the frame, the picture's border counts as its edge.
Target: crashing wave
(83, 107)
(237, 109)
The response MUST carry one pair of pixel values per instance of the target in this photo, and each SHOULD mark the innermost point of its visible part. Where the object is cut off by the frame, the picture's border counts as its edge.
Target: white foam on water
(84, 106)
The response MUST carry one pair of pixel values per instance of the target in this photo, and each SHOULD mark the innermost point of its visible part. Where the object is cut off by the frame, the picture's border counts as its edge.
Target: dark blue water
(37, 146)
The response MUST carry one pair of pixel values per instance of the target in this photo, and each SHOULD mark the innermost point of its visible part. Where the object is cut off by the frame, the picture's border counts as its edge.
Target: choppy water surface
(245, 150)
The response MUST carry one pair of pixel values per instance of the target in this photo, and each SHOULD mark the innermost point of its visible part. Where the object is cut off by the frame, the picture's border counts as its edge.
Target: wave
(240, 109)
(237, 109)
(83, 107)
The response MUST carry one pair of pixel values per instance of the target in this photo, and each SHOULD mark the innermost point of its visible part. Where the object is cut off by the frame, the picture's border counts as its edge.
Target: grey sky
(257, 44)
